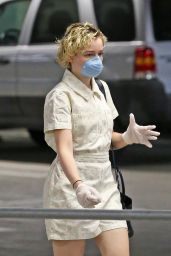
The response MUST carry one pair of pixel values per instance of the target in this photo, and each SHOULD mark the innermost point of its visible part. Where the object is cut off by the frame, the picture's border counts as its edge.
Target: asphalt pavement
(24, 166)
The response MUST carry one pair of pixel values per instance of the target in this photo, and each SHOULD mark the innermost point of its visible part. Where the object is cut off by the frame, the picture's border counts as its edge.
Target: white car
(137, 56)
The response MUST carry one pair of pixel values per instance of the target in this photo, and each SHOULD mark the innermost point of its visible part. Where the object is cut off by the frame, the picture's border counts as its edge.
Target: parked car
(137, 60)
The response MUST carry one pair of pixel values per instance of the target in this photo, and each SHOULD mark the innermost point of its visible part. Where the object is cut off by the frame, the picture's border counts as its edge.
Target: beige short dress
(72, 105)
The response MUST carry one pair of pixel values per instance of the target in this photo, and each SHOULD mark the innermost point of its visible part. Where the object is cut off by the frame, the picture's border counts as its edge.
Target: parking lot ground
(23, 168)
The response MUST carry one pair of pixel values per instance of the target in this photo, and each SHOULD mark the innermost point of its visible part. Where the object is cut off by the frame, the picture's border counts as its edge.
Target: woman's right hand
(87, 196)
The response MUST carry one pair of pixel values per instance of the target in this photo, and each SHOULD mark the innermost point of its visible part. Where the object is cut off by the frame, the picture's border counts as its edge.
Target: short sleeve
(57, 115)
(110, 101)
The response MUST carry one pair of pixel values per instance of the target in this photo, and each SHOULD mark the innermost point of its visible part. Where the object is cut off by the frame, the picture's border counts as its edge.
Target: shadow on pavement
(17, 145)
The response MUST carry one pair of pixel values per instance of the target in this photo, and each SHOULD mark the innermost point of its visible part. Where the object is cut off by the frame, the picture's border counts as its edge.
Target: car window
(116, 19)
(11, 20)
(161, 12)
(52, 19)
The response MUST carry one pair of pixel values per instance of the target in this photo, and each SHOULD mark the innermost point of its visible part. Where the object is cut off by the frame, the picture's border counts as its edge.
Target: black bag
(126, 201)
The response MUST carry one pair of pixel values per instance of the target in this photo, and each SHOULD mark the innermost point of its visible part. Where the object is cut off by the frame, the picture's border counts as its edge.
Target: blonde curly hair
(77, 37)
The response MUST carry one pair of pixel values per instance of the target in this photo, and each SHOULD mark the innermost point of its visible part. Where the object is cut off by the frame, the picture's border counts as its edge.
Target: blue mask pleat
(92, 67)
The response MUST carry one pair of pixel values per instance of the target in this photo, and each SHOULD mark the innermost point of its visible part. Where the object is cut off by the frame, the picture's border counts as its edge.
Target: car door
(37, 69)
(160, 39)
(12, 14)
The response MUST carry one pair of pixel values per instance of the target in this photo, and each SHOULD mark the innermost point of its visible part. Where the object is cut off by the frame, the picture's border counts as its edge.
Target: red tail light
(145, 62)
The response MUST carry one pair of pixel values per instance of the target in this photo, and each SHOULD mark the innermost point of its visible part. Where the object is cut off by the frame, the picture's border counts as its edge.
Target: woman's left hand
(139, 134)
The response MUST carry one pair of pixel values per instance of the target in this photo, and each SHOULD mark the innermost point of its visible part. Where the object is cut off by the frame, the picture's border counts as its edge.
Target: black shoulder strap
(118, 173)
(101, 87)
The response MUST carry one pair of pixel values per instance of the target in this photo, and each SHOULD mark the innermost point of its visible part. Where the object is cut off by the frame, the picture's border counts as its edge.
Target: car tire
(38, 137)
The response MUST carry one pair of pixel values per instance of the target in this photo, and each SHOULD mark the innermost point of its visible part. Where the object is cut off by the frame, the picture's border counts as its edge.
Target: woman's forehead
(96, 44)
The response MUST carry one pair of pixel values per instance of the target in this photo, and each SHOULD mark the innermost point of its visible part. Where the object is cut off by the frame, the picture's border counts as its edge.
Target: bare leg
(68, 247)
(113, 242)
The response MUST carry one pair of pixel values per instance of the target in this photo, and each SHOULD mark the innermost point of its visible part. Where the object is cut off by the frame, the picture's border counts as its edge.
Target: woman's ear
(70, 58)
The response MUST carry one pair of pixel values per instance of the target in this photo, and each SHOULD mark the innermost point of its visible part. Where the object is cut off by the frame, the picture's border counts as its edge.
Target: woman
(78, 125)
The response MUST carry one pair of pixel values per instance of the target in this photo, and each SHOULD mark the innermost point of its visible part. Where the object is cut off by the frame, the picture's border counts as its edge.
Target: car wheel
(38, 137)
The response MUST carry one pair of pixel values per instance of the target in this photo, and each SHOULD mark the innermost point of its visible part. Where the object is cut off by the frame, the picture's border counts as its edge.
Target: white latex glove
(139, 134)
(87, 196)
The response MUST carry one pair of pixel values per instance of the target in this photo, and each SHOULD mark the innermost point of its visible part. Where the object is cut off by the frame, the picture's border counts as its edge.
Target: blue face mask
(92, 67)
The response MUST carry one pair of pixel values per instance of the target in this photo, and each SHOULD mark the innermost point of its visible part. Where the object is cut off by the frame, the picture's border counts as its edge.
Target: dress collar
(79, 87)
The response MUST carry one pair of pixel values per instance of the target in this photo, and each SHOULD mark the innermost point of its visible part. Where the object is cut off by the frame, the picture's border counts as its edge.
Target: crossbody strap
(118, 174)
(101, 87)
